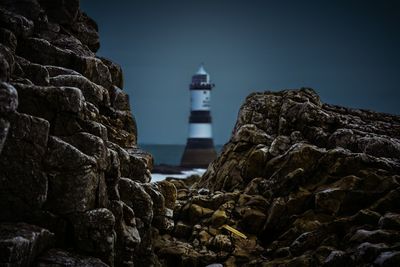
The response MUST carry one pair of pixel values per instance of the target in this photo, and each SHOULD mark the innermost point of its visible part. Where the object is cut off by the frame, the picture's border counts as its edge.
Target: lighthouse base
(199, 152)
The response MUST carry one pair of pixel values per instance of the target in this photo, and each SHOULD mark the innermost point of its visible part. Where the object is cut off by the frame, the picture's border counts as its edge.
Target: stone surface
(8, 98)
(95, 234)
(21, 244)
(23, 181)
(300, 183)
(67, 137)
(56, 257)
(307, 173)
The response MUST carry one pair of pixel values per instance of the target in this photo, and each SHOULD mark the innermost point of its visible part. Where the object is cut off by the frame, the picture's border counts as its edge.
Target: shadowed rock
(21, 244)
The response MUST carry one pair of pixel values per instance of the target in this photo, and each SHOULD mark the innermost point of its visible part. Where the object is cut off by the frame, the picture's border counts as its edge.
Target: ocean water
(155, 177)
(168, 154)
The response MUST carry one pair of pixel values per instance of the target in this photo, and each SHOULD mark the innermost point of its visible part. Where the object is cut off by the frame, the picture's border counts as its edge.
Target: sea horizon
(168, 154)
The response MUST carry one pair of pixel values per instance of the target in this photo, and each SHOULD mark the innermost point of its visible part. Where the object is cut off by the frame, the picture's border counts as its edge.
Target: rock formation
(72, 180)
(306, 183)
(300, 183)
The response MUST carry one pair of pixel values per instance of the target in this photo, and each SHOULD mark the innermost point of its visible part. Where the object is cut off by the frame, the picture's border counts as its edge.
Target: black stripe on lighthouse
(200, 117)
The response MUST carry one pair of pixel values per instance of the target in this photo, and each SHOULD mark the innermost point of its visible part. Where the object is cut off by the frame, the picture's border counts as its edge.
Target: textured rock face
(273, 127)
(21, 243)
(316, 184)
(300, 183)
(68, 156)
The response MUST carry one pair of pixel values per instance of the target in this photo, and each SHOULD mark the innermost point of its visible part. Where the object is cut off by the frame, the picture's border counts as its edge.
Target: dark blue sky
(348, 51)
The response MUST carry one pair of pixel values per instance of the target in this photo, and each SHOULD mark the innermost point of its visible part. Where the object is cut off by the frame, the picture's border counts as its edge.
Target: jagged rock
(374, 236)
(112, 174)
(61, 11)
(388, 259)
(215, 265)
(312, 179)
(119, 99)
(137, 170)
(56, 71)
(121, 128)
(253, 220)
(21, 243)
(65, 148)
(66, 41)
(195, 212)
(44, 101)
(17, 24)
(91, 91)
(337, 258)
(168, 190)
(73, 178)
(127, 233)
(23, 183)
(158, 205)
(251, 134)
(115, 71)
(390, 221)
(7, 63)
(4, 127)
(8, 99)
(366, 216)
(8, 38)
(221, 243)
(218, 218)
(300, 108)
(4, 69)
(367, 252)
(280, 145)
(95, 70)
(42, 52)
(35, 73)
(388, 202)
(136, 197)
(57, 257)
(94, 234)
(86, 30)
(28, 8)
(182, 230)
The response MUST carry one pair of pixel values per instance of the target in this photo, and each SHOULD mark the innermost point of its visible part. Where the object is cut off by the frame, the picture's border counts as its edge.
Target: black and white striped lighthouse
(199, 150)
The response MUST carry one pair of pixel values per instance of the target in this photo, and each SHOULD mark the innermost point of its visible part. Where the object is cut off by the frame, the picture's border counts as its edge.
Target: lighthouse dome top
(201, 70)
(201, 77)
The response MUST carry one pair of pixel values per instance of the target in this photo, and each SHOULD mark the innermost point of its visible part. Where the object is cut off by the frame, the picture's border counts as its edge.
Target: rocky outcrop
(308, 183)
(300, 183)
(73, 183)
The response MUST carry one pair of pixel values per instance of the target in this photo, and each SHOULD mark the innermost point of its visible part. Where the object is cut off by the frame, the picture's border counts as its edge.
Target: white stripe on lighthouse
(200, 99)
(200, 130)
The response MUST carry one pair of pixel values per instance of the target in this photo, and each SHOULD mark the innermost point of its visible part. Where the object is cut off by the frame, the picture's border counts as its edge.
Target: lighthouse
(199, 150)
